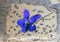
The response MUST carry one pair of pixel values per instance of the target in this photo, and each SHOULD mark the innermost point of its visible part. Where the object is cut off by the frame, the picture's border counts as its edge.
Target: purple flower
(27, 24)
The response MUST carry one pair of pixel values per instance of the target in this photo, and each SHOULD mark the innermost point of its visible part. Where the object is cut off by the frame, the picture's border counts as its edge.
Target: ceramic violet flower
(27, 24)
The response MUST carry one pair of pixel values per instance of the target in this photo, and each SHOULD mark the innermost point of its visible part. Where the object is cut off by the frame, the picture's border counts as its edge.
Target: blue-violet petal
(32, 28)
(34, 18)
(21, 22)
(26, 14)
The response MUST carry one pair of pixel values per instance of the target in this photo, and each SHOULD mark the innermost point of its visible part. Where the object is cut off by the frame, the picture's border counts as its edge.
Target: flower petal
(24, 30)
(26, 14)
(34, 18)
(21, 22)
(32, 28)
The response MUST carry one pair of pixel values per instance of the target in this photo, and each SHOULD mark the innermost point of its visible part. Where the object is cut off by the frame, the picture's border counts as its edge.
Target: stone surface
(46, 3)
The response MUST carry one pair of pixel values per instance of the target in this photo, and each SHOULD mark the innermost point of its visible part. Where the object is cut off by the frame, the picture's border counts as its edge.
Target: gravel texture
(4, 11)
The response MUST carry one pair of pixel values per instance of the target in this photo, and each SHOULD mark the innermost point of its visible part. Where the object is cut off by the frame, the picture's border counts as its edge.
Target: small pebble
(3, 15)
(49, 18)
(41, 32)
(46, 32)
(14, 29)
(29, 34)
(46, 19)
(14, 12)
(10, 16)
(13, 21)
(16, 26)
(34, 10)
(35, 39)
(17, 14)
(9, 30)
(50, 31)
(51, 35)
(36, 31)
(44, 29)
(41, 24)
(49, 26)
(11, 27)
(37, 26)
(39, 11)
(5, 33)
(22, 34)
(3, 6)
(53, 16)
(16, 6)
(18, 33)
